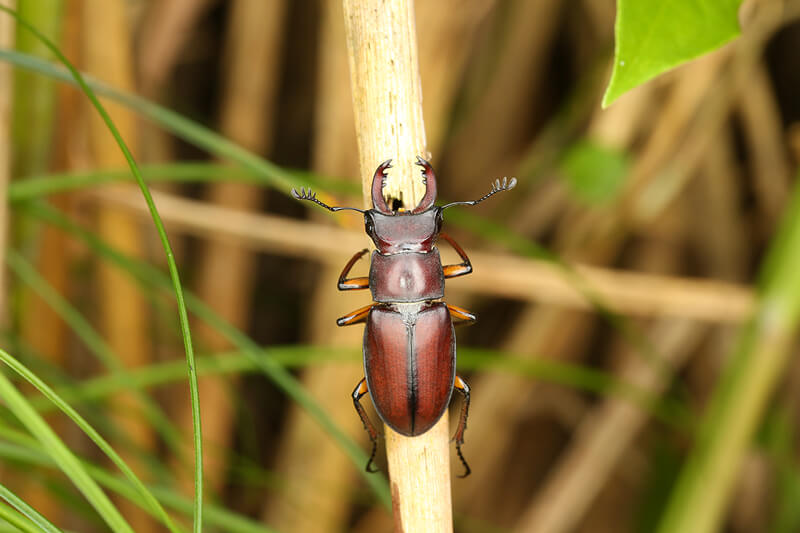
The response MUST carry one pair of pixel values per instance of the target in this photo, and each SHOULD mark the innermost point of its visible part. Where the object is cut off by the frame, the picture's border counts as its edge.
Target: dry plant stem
(6, 41)
(387, 95)
(108, 55)
(524, 279)
(387, 100)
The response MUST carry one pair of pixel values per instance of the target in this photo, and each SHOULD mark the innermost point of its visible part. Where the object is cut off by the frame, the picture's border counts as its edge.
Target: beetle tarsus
(370, 467)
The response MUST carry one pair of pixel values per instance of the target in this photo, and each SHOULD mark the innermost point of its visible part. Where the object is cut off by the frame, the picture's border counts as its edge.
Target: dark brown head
(403, 231)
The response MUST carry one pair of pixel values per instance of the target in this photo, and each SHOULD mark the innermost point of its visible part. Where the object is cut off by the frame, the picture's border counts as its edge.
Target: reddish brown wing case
(410, 360)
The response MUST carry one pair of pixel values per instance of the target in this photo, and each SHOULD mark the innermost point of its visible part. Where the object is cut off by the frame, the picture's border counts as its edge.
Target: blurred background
(582, 413)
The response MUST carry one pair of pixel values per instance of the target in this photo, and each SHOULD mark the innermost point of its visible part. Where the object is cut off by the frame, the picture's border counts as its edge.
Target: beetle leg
(356, 317)
(461, 386)
(461, 315)
(353, 283)
(461, 269)
(358, 392)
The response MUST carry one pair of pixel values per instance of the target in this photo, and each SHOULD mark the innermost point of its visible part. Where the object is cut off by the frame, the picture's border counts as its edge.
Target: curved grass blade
(29, 512)
(11, 520)
(22, 449)
(101, 443)
(65, 459)
(173, 268)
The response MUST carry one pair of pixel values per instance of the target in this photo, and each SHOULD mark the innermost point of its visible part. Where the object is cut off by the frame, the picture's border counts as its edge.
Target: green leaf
(653, 36)
(595, 172)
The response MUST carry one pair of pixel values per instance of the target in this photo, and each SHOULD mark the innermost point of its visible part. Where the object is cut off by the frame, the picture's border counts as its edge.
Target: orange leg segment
(461, 315)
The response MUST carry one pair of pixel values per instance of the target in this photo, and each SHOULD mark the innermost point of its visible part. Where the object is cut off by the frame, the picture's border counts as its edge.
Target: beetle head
(409, 232)
(403, 231)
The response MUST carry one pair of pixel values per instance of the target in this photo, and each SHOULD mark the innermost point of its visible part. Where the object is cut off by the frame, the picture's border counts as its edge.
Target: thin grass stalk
(19, 447)
(173, 268)
(707, 480)
(35, 518)
(149, 499)
(65, 459)
(387, 100)
(11, 520)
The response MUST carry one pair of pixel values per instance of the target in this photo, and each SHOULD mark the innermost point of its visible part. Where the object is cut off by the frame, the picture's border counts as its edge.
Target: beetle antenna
(498, 186)
(312, 197)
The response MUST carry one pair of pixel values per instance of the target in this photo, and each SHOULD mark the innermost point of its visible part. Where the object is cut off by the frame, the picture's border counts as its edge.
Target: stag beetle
(409, 341)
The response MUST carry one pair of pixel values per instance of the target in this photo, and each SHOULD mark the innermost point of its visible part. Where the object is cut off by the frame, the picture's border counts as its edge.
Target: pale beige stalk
(387, 100)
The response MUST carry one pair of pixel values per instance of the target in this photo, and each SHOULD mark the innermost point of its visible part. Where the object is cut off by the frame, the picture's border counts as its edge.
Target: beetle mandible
(409, 341)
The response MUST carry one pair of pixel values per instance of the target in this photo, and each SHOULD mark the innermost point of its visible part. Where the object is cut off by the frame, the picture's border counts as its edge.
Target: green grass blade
(11, 520)
(762, 353)
(32, 514)
(101, 443)
(22, 449)
(172, 266)
(65, 459)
